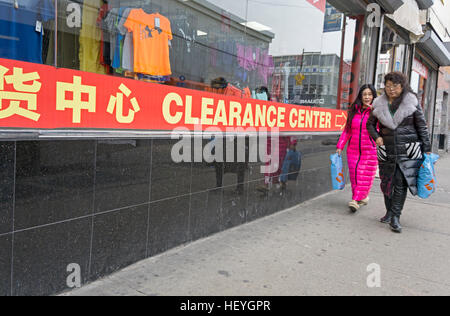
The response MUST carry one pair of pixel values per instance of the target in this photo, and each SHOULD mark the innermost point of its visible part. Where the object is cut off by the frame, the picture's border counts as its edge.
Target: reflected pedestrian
(291, 165)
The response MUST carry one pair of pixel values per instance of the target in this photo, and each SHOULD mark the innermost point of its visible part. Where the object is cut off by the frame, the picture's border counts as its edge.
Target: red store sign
(34, 96)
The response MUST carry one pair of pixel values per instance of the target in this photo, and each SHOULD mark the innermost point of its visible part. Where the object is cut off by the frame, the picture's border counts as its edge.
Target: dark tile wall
(5, 264)
(119, 239)
(122, 164)
(205, 214)
(42, 256)
(7, 169)
(169, 179)
(105, 204)
(168, 224)
(54, 182)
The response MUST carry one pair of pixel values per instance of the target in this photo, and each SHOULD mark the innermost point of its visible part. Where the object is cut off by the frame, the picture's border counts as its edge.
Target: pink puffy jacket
(361, 154)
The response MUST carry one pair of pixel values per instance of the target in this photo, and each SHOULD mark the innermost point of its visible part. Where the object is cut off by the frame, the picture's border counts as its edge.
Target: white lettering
(374, 278)
(74, 279)
(74, 15)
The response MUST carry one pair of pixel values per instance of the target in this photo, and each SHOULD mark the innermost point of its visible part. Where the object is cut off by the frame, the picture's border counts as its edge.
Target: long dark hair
(358, 103)
(402, 79)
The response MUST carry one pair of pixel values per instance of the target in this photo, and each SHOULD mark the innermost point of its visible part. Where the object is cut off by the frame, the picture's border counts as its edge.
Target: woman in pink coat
(362, 150)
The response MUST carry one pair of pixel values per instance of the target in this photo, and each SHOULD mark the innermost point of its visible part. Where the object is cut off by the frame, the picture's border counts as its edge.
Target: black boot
(395, 224)
(387, 218)
(398, 199)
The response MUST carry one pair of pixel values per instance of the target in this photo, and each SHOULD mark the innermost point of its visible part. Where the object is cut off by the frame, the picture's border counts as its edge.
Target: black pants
(396, 202)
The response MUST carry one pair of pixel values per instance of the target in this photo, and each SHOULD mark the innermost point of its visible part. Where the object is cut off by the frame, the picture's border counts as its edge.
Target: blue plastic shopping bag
(337, 172)
(426, 181)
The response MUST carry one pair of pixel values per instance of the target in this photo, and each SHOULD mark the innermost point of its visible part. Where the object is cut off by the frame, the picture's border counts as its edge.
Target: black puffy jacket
(405, 137)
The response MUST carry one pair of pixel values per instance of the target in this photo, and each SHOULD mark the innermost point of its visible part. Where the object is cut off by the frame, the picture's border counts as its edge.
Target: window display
(188, 44)
(151, 37)
(22, 29)
(127, 40)
(90, 38)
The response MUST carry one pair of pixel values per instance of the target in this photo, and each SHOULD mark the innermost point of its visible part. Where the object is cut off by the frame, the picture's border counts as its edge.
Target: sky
(297, 25)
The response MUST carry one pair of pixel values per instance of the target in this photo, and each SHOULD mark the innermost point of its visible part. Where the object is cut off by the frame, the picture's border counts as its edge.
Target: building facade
(130, 127)
(310, 79)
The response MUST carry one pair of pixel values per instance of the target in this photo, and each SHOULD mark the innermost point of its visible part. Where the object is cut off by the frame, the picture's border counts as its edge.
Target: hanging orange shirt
(232, 91)
(247, 93)
(151, 42)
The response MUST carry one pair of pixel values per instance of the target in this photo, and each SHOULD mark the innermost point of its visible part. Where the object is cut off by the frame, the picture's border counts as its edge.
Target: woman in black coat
(398, 126)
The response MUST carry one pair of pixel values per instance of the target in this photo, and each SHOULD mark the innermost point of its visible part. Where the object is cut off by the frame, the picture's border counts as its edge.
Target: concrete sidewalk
(316, 248)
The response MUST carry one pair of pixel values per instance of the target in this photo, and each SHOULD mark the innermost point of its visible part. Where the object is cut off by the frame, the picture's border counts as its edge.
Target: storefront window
(392, 56)
(26, 29)
(423, 82)
(237, 48)
(368, 53)
(419, 77)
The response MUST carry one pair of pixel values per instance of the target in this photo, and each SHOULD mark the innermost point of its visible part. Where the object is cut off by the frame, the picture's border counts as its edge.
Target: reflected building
(311, 79)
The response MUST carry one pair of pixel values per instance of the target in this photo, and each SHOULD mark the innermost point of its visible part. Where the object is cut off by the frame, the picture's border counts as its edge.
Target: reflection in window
(231, 47)
(25, 28)
(392, 56)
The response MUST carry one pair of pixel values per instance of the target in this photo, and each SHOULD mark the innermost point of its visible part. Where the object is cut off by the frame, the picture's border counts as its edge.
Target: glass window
(368, 53)
(392, 56)
(231, 47)
(316, 60)
(308, 60)
(26, 30)
(423, 83)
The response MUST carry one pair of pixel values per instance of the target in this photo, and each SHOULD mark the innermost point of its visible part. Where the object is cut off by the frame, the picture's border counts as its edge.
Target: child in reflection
(362, 150)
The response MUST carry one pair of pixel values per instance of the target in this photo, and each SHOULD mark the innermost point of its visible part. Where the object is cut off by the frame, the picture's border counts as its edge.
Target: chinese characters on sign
(23, 100)
(69, 96)
(76, 103)
(116, 102)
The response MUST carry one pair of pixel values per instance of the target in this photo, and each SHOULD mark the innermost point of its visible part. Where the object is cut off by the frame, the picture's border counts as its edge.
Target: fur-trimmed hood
(407, 107)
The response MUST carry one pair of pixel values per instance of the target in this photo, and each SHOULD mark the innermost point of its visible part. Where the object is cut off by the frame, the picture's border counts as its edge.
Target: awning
(447, 45)
(425, 4)
(390, 6)
(408, 17)
(350, 7)
(433, 46)
(356, 7)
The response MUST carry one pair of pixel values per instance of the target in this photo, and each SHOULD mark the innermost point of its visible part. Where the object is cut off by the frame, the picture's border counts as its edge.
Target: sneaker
(364, 202)
(354, 206)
